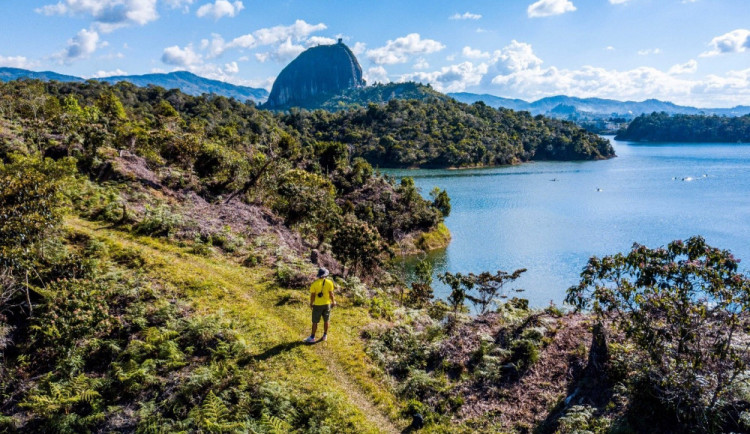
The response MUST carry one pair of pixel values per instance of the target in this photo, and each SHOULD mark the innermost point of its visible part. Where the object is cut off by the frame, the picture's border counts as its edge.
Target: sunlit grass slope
(272, 321)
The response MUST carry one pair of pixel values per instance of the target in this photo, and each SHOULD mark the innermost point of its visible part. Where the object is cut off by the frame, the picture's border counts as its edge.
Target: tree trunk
(28, 296)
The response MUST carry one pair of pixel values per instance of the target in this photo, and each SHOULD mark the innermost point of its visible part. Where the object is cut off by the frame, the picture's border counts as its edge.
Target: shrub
(685, 309)
(159, 221)
(292, 276)
(525, 352)
(581, 419)
(355, 289)
(381, 306)
(227, 240)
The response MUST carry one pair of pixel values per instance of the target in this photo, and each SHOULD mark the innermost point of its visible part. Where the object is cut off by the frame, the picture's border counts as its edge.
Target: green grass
(272, 321)
(436, 239)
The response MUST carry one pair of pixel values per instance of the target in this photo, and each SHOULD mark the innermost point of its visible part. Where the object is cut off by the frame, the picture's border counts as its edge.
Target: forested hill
(441, 132)
(358, 97)
(661, 127)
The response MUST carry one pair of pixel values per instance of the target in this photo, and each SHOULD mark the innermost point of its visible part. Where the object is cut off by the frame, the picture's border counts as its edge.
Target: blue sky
(688, 51)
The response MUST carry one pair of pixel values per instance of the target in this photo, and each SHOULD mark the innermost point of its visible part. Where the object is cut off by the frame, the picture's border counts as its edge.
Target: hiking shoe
(324, 338)
(309, 340)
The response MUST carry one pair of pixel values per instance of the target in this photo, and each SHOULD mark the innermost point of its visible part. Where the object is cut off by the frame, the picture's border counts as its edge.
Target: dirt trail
(355, 394)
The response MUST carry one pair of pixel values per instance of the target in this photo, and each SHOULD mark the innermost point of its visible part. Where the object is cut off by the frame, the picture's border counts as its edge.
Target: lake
(550, 217)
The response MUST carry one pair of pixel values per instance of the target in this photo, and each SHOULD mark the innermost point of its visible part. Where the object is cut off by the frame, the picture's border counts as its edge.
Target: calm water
(550, 217)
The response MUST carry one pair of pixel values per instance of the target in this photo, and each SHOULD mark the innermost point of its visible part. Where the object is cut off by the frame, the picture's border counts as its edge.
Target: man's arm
(312, 299)
(333, 300)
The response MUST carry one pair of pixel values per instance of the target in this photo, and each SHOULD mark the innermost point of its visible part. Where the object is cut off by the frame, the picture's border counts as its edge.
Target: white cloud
(610, 48)
(16, 62)
(287, 51)
(517, 56)
(686, 68)
(546, 8)
(401, 49)
(186, 59)
(519, 77)
(314, 41)
(112, 56)
(82, 45)
(176, 4)
(231, 68)
(359, 48)
(453, 78)
(103, 74)
(421, 63)
(107, 14)
(298, 31)
(282, 53)
(639, 83)
(219, 9)
(177, 56)
(376, 74)
(471, 53)
(465, 16)
(736, 41)
(280, 36)
(264, 83)
(649, 51)
(618, 2)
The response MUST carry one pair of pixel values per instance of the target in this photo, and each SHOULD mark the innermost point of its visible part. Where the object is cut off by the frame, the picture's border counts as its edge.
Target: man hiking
(321, 302)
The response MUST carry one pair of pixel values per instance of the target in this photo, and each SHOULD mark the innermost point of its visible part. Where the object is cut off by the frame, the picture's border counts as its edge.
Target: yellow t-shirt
(318, 287)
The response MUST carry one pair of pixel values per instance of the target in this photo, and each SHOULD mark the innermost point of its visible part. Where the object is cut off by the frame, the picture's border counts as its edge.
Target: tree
(356, 244)
(32, 203)
(441, 201)
(460, 285)
(686, 309)
(490, 287)
(308, 198)
(421, 288)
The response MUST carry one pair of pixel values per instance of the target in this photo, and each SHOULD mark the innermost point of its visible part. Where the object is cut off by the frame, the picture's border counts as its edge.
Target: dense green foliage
(661, 127)
(685, 308)
(109, 348)
(379, 94)
(446, 133)
(217, 147)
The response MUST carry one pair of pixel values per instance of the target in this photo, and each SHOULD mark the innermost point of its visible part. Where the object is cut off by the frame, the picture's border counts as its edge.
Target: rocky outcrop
(317, 72)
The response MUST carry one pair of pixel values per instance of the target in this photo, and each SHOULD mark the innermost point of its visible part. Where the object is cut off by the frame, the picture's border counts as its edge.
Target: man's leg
(316, 314)
(326, 317)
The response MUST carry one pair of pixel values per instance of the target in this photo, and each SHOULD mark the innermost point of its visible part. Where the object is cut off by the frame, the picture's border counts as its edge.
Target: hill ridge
(185, 81)
(595, 105)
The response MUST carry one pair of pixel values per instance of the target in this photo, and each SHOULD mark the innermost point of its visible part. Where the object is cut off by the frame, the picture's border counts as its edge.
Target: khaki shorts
(321, 310)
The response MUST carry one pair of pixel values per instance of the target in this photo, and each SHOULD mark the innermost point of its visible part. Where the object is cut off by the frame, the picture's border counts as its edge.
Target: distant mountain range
(594, 106)
(555, 106)
(185, 81)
